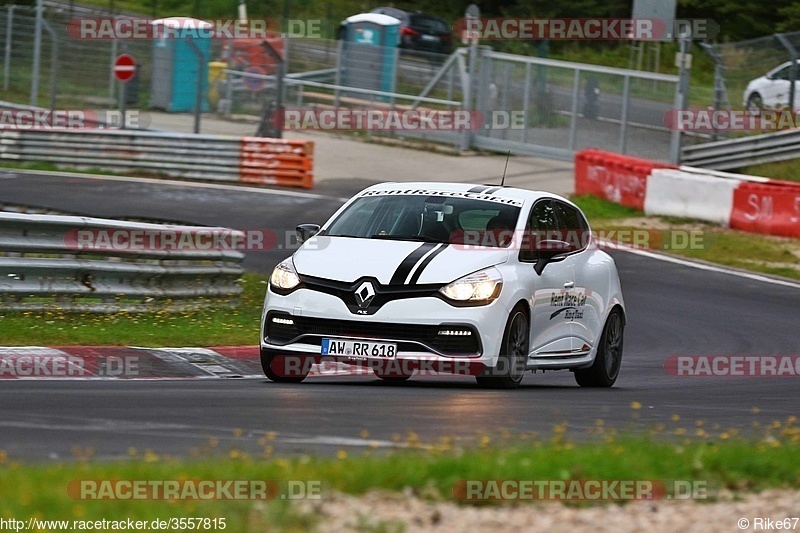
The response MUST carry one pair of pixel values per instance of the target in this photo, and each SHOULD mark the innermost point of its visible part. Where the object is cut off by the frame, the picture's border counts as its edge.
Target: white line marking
(701, 266)
(178, 183)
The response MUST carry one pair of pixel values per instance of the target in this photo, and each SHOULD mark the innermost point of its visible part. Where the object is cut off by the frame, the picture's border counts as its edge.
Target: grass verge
(782, 170)
(33, 490)
(778, 256)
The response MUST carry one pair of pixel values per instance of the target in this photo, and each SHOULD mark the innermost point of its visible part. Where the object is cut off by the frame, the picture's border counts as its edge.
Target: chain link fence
(562, 107)
(528, 105)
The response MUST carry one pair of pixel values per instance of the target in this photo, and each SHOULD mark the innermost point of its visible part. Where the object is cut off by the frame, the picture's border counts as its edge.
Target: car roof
(494, 190)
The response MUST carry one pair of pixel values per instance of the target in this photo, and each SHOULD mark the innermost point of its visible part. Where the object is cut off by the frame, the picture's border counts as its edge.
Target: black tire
(272, 361)
(605, 369)
(755, 102)
(513, 357)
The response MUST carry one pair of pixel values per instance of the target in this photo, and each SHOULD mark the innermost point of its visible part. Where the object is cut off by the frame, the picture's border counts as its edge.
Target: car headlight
(483, 286)
(284, 277)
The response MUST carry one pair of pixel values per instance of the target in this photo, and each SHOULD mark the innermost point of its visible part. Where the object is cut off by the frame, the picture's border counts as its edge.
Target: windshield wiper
(345, 235)
(418, 238)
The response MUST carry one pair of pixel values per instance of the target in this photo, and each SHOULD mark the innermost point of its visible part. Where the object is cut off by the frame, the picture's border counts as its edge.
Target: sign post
(124, 70)
(471, 14)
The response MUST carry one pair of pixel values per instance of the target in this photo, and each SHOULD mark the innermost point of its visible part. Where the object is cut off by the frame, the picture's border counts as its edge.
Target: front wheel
(755, 102)
(284, 368)
(605, 369)
(510, 370)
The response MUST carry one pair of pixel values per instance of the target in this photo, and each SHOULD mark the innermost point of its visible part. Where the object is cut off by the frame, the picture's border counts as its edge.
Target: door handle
(569, 284)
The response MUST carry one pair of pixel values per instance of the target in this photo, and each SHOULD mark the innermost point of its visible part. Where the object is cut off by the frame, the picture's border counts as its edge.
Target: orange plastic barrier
(277, 162)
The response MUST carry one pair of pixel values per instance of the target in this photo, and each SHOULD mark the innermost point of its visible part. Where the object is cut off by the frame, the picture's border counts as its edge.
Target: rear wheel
(604, 371)
(514, 355)
(284, 368)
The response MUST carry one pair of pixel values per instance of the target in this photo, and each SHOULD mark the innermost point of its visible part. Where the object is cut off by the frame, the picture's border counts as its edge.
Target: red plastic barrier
(614, 177)
(768, 209)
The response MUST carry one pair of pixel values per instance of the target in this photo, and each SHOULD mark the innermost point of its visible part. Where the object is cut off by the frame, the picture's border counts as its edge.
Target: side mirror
(551, 252)
(306, 231)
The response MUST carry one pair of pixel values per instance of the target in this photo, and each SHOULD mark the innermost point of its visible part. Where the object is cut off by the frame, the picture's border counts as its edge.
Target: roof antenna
(503, 181)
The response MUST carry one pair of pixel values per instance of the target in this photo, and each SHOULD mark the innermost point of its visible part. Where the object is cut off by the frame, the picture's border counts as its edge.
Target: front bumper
(414, 324)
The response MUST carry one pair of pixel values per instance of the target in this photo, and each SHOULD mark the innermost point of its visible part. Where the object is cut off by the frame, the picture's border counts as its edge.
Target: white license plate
(429, 38)
(362, 349)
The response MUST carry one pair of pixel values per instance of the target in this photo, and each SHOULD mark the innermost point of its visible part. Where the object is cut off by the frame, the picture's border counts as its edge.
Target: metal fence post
(466, 136)
(526, 96)
(37, 51)
(111, 77)
(681, 100)
(338, 76)
(53, 63)
(9, 40)
(623, 128)
(198, 97)
(573, 126)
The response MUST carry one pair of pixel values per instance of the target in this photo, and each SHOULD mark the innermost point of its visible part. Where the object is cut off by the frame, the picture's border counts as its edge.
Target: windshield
(428, 219)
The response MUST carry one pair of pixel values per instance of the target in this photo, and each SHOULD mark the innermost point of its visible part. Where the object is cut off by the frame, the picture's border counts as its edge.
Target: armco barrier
(769, 209)
(681, 194)
(204, 157)
(614, 177)
(92, 264)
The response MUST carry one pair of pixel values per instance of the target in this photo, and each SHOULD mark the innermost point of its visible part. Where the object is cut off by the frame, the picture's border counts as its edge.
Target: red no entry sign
(124, 67)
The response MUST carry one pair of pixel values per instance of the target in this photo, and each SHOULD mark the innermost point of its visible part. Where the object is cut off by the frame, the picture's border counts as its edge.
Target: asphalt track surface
(673, 309)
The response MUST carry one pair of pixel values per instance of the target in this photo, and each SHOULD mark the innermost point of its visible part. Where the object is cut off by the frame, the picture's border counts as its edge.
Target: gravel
(386, 511)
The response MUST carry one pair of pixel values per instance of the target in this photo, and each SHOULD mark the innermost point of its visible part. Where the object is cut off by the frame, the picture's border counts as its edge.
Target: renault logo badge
(364, 294)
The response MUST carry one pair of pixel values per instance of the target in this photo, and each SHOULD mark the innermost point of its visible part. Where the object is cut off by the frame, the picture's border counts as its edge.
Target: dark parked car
(418, 31)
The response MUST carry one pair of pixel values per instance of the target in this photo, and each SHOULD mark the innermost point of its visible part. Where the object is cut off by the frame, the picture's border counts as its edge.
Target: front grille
(384, 294)
(314, 329)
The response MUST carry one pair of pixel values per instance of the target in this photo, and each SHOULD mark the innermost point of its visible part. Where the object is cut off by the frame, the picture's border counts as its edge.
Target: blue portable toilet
(175, 63)
(370, 52)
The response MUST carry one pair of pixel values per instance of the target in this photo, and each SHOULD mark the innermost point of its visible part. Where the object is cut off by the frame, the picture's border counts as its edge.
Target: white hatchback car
(772, 90)
(478, 279)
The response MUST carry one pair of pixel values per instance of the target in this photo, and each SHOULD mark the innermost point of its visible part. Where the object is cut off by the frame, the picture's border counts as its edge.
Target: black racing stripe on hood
(425, 263)
(408, 263)
(480, 188)
(492, 190)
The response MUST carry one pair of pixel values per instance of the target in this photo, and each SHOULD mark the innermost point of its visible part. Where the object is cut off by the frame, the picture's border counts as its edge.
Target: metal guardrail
(203, 157)
(744, 151)
(62, 262)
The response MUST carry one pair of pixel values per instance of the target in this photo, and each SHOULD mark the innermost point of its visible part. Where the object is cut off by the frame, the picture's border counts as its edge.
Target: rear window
(426, 23)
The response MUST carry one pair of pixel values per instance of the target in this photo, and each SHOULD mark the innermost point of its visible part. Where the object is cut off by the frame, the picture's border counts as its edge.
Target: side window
(782, 74)
(572, 225)
(542, 220)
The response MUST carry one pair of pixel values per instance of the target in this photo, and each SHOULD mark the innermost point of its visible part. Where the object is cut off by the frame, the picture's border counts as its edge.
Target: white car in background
(502, 279)
(772, 90)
